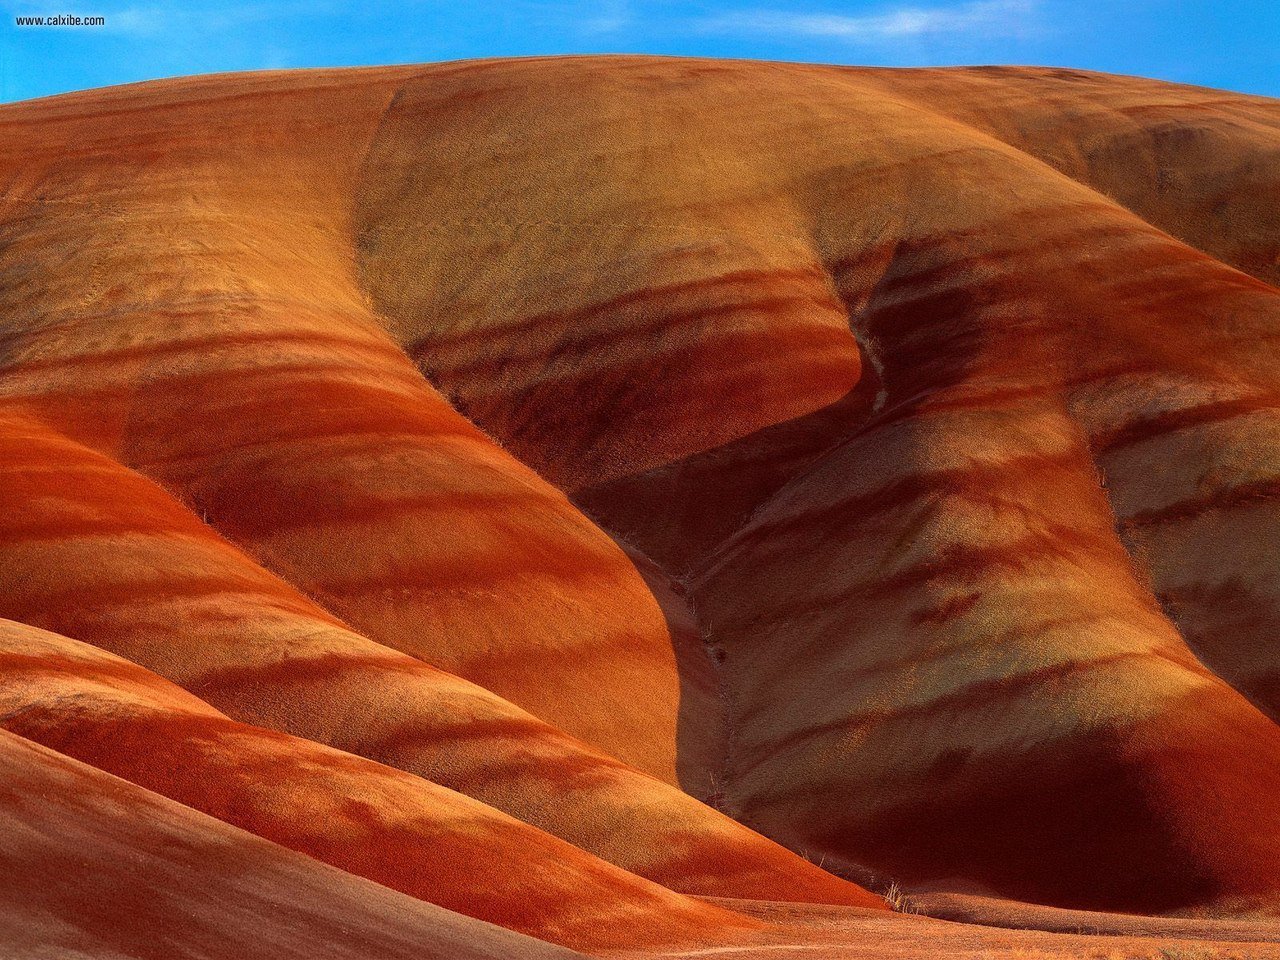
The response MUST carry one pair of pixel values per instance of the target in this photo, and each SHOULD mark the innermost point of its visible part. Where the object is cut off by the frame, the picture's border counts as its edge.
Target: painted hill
(165, 882)
(565, 490)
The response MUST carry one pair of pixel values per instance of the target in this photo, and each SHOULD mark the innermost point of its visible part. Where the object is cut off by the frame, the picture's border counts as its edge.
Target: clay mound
(107, 555)
(885, 458)
(374, 821)
(167, 883)
(1200, 164)
(215, 374)
(921, 346)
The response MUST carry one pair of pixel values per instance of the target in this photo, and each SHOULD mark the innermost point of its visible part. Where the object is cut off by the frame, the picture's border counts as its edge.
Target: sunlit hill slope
(591, 495)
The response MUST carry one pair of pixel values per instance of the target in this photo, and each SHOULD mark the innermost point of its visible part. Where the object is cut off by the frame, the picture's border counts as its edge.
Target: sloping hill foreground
(648, 505)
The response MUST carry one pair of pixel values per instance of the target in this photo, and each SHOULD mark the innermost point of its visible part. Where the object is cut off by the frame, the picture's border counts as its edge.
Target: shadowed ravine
(657, 507)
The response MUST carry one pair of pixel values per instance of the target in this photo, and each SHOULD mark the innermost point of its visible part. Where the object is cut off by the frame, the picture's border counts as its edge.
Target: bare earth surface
(640, 508)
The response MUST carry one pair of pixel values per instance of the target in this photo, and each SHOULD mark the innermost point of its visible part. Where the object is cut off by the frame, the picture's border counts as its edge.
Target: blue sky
(1234, 44)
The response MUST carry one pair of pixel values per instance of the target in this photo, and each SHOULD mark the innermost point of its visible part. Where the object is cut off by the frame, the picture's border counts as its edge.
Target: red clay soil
(534, 484)
(96, 867)
(371, 820)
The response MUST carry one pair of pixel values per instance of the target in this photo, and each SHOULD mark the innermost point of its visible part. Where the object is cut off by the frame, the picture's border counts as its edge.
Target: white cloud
(988, 17)
(609, 17)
